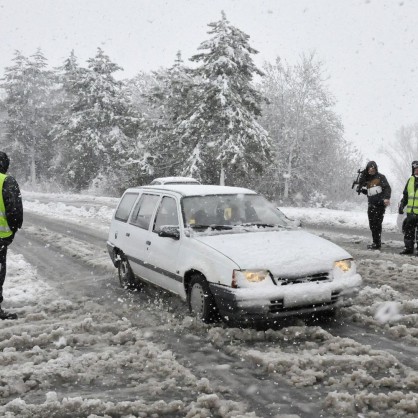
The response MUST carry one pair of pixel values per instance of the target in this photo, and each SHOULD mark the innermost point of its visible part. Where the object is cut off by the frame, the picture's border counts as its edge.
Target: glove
(364, 191)
(400, 211)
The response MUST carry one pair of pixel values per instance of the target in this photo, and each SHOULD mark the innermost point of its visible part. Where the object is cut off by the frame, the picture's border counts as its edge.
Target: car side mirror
(297, 223)
(169, 232)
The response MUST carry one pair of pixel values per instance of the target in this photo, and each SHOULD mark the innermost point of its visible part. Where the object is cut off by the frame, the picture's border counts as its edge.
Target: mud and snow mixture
(73, 356)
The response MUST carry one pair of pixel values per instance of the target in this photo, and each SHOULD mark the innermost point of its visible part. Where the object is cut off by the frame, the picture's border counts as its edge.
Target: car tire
(201, 301)
(126, 276)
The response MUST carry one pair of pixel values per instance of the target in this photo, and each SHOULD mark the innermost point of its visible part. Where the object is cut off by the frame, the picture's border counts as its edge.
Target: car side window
(125, 206)
(143, 210)
(167, 214)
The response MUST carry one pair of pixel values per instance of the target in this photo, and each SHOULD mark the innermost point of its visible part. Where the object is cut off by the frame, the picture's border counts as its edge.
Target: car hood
(285, 253)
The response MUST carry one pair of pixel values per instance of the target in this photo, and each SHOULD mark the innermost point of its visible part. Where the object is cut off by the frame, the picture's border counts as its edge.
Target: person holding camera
(378, 191)
(410, 200)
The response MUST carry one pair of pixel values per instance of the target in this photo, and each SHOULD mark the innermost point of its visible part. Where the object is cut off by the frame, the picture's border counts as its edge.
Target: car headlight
(344, 268)
(344, 265)
(246, 278)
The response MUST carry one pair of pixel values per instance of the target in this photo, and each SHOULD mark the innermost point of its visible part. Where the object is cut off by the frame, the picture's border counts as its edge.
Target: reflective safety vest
(5, 231)
(412, 206)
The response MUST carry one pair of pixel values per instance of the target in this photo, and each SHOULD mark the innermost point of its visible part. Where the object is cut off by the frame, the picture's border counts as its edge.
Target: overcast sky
(369, 47)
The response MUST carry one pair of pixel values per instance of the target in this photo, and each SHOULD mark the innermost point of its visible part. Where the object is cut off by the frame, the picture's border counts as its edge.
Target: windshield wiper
(262, 225)
(214, 227)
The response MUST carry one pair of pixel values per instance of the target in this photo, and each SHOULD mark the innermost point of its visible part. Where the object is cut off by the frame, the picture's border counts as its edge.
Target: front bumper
(253, 305)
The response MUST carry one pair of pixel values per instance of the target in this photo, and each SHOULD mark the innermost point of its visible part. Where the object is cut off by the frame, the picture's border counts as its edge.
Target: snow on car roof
(197, 189)
(174, 180)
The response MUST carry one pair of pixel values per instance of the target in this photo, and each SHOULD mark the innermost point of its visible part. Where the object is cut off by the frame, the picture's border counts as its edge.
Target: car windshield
(229, 211)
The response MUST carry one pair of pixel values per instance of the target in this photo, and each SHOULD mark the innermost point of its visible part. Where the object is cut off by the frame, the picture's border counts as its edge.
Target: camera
(359, 181)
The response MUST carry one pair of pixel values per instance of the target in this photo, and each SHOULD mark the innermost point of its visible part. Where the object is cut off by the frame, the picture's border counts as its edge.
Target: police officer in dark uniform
(11, 219)
(378, 191)
(410, 200)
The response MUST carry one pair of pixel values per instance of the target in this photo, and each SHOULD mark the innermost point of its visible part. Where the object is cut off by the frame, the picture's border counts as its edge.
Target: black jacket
(375, 182)
(12, 203)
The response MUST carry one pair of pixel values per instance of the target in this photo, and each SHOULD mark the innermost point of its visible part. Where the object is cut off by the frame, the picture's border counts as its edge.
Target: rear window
(125, 206)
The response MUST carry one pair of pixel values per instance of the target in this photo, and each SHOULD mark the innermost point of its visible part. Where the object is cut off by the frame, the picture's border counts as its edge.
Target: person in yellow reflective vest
(11, 219)
(410, 200)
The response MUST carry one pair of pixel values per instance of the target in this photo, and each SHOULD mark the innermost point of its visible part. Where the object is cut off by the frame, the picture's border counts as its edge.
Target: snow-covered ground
(75, 357)
(339, 218)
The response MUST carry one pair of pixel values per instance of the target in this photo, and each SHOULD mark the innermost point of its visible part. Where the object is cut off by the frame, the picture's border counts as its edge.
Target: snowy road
(84, 347)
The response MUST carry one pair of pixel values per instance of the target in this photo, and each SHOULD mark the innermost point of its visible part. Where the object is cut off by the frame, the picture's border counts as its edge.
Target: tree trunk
(32, 167)
(222, 176)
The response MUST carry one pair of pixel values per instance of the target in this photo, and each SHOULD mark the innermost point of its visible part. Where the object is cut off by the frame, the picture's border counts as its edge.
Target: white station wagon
(228, 252)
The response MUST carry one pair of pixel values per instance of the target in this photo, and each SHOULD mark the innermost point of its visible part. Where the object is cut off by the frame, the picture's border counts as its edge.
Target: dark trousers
(376, 214)
(410, 230)
(4, 243)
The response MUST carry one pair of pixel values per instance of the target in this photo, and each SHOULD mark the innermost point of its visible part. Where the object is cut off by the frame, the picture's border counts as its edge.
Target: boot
(407, 251)
(409, 248)
(374, 246)
(7, 315)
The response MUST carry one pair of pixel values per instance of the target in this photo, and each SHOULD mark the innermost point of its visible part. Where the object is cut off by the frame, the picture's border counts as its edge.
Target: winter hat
(4, 162)
(414, 166)
(371, 164)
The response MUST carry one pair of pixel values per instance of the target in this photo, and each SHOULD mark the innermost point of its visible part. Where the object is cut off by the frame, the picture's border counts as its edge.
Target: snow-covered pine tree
(14, 102)
(29, 88)
(170, 99)
(221, 130)
(100, 131)
(67, 76)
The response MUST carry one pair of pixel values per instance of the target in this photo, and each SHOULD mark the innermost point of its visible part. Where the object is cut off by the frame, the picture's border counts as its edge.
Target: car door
(163, 251)
(138, 234)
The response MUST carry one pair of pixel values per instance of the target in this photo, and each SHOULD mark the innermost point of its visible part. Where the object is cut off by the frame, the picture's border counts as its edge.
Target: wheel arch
(188, 277)
(208, 311)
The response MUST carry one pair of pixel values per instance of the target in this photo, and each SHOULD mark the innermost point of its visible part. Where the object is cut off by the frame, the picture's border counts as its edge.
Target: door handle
(148, 242)
(128, 234)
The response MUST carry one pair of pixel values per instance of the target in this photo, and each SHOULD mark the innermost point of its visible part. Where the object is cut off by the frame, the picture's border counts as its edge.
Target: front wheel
(126, 276)
(201, 301)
